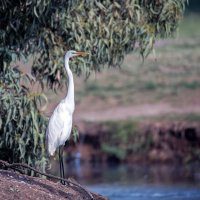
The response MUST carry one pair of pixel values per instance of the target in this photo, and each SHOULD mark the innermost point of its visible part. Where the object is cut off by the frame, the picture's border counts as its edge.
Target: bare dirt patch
(127, 112)
(17, 186)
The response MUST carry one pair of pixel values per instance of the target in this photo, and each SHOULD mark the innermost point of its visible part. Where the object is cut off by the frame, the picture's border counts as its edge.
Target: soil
(122, 113)
(18, 186)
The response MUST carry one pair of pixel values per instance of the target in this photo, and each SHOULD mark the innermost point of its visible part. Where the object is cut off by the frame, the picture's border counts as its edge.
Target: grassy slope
(172, 78)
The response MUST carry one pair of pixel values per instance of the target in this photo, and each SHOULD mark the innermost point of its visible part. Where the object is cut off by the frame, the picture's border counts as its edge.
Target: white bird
(60, 123)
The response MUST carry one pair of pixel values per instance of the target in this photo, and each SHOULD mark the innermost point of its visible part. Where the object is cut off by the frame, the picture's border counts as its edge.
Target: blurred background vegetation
(163, 89)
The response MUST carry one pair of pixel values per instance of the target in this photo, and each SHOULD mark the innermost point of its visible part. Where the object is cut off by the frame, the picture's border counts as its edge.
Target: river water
(140, 182)
(132, 192)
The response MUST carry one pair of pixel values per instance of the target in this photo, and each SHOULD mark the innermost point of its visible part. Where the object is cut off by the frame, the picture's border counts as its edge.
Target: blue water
(122, 192)
(151, 182)
(139, 182)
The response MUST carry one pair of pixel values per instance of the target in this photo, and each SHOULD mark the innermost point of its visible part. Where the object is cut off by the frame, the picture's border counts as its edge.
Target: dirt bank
(132, 142)
(17, 186)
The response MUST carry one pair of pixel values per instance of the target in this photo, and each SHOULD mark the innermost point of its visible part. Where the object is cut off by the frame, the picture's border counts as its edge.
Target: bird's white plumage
(59, 127)
(60, 123)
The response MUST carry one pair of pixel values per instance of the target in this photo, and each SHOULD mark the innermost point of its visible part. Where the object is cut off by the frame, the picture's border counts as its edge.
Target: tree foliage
(21, 124)
(45, 29)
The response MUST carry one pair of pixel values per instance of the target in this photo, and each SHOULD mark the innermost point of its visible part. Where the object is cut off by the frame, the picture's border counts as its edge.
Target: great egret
(60, 123)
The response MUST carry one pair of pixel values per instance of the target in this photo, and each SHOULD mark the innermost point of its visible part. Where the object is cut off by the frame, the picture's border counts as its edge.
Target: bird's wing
(55, 129)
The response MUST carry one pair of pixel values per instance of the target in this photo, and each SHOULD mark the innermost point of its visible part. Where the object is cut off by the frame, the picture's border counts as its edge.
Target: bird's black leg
(62, 172)
(60, 164)
(63, 168)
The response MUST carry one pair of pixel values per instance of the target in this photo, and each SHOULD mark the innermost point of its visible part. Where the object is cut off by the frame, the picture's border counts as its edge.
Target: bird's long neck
(70, 92)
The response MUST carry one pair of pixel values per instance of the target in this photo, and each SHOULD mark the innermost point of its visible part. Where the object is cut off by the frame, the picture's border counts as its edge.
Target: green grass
(188, 85)
(190, 117)
(173, 69)
(189, 26)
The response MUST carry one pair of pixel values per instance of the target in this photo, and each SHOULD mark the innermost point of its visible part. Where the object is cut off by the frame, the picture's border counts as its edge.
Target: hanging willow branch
(21, 123)
(50, 27)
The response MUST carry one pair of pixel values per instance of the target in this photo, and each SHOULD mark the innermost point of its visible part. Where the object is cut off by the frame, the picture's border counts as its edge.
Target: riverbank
(18, 186)
(133, 142)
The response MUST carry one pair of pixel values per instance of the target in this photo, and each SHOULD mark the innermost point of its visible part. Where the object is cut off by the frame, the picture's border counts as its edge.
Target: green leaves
(75, 134)
(22, 127)
(49, 28)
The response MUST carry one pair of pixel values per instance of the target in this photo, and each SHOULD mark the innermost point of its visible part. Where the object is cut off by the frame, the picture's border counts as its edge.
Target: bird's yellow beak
(81, 53)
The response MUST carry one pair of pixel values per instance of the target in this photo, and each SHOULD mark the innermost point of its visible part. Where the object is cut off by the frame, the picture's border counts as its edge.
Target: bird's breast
(67, 107)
